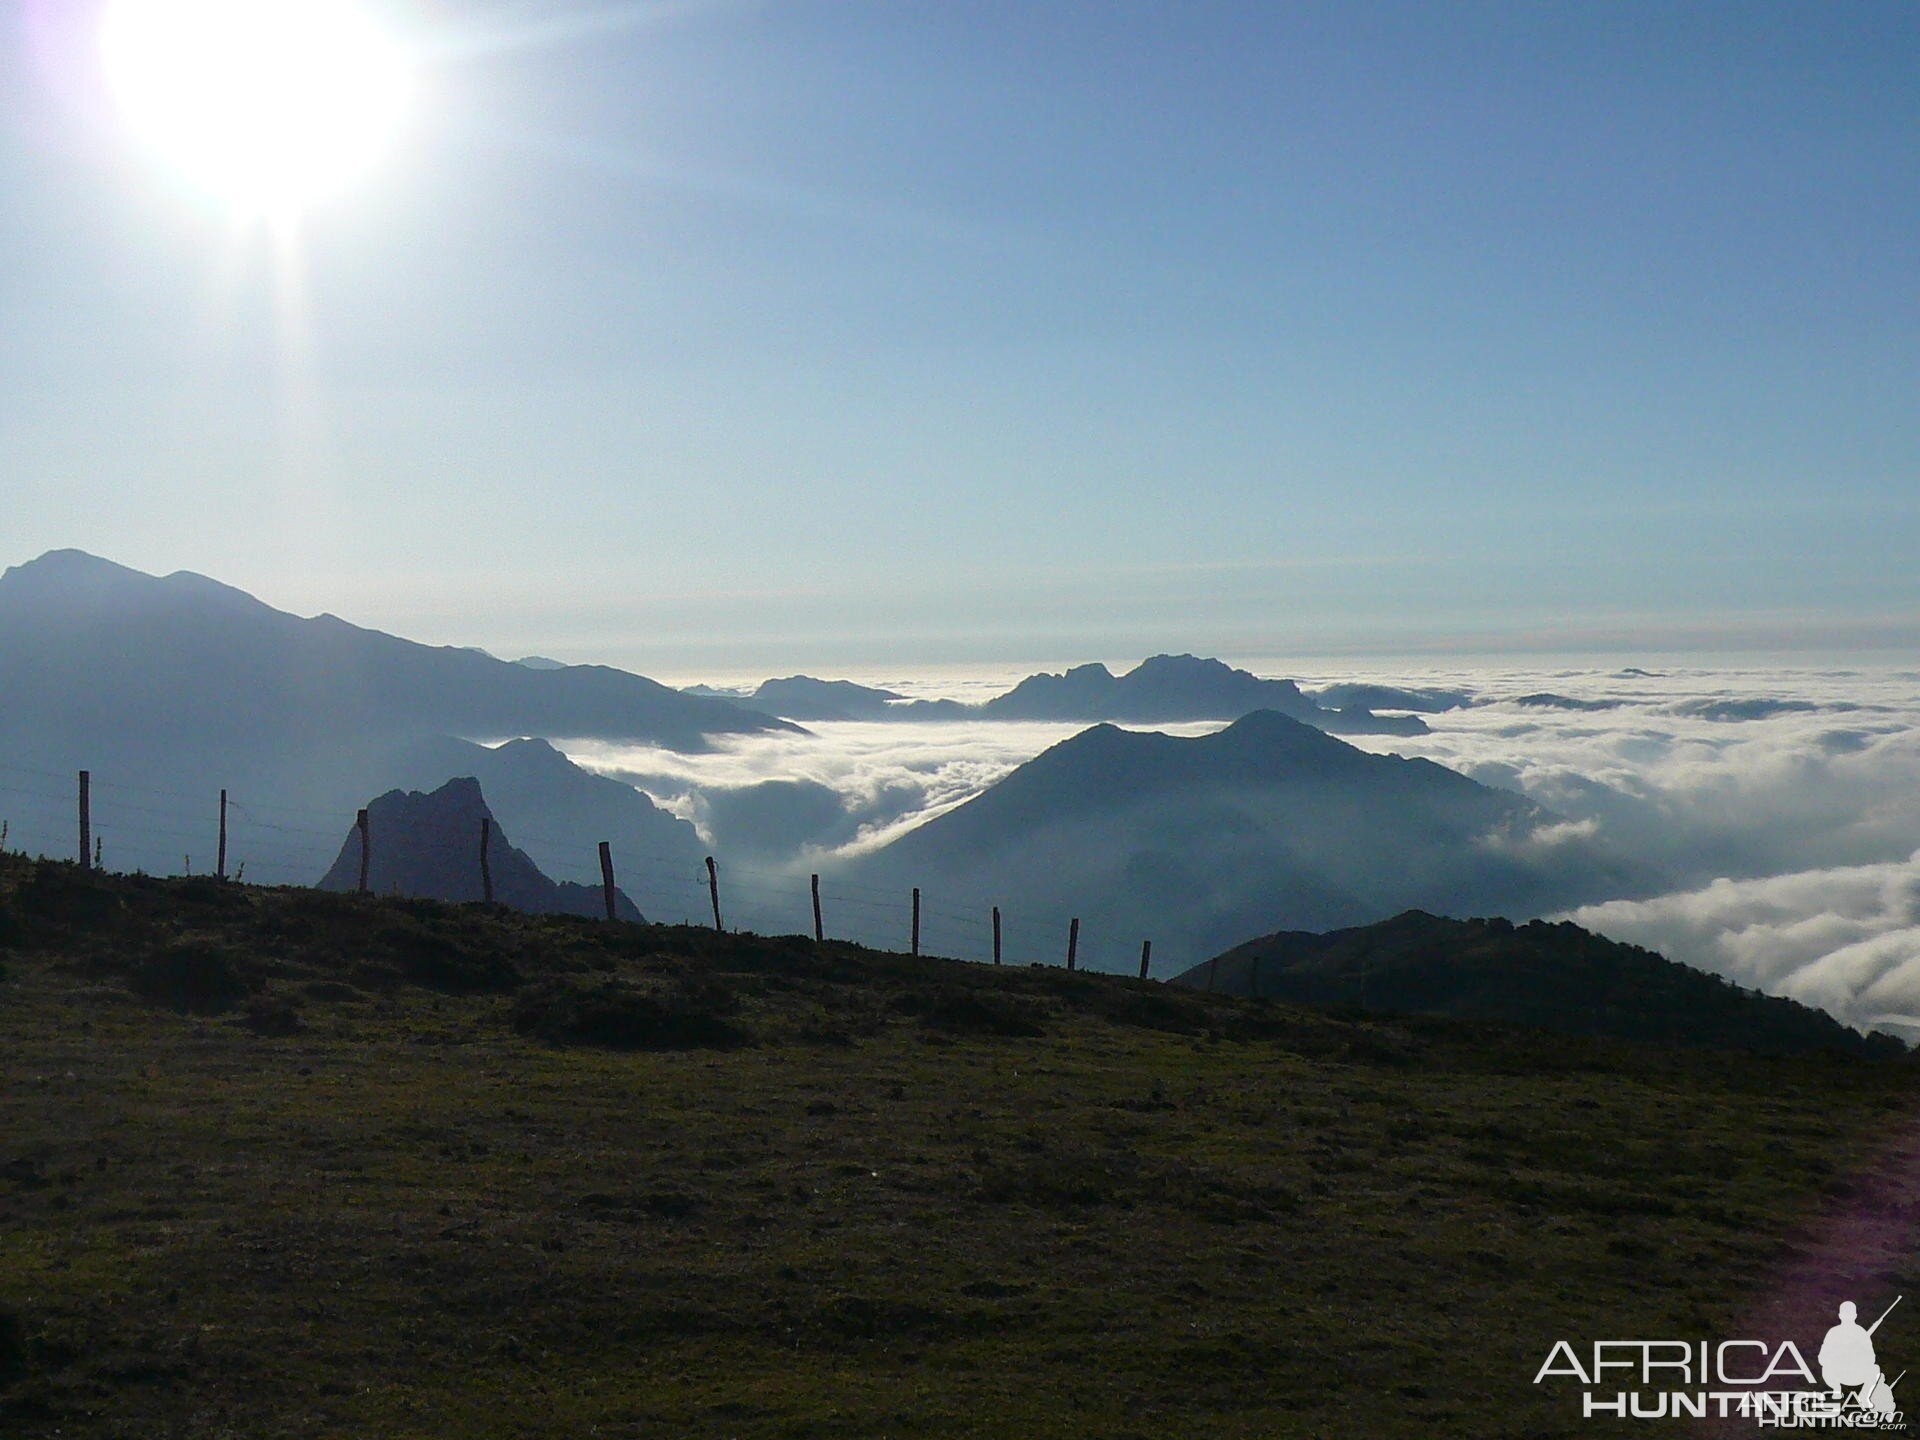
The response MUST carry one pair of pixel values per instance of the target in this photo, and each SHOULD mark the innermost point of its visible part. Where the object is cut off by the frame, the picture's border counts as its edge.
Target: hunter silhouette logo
(1848, 1364)
(1767, 1382)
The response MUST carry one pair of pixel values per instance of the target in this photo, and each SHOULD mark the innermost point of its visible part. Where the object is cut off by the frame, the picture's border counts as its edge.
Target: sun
(270, 105)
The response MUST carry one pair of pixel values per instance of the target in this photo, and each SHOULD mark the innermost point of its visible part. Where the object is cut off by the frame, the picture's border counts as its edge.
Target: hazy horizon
(935, 672)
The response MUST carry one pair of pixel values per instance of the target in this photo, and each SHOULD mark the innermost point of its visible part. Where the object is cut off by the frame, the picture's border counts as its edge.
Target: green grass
(791, 1190)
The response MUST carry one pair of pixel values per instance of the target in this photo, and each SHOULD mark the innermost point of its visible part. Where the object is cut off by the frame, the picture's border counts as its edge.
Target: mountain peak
(1272, 722)
(1275, 730)
(1182, 664)
(68, 567)
(77, 577)
(427, 843)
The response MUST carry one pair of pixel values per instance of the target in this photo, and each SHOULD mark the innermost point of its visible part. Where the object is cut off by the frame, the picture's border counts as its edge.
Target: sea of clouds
(1779, 808)
(1782, 805)
(884, 777)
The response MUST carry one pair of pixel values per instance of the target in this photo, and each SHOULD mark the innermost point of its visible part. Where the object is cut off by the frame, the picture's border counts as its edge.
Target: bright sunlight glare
(268, 104)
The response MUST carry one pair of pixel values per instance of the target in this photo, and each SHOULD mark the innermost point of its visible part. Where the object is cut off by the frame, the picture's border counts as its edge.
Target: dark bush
(13, 1344)
(618, 1015)
(960, 1010)
(657, 1204)
(195, 977)
(208, 893)
(670, 1204)
(436, 961)
(1154, 1008)
(274, 1018)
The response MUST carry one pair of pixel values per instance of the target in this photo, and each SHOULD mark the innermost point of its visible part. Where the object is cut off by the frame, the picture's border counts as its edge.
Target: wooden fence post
(713, 891)
(86, 820)
(1073, 941)
(220, 867)
(606, 877)
(1146, 957)
(366, 848)
(996, 934)
(1213, 971)
(916, 919)
(486, 866)
(819, 930)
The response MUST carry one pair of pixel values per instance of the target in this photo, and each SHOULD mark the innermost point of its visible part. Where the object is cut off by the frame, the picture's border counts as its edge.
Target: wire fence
(44, 813)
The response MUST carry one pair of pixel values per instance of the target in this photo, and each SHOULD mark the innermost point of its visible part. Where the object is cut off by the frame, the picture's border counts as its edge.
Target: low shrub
(432, 959)
(193, 976)
(1147, 1008)
(619, 1015)
(964, 1010)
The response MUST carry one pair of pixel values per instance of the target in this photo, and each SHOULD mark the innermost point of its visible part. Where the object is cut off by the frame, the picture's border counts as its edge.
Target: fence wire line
(768, 893)
(343, 831)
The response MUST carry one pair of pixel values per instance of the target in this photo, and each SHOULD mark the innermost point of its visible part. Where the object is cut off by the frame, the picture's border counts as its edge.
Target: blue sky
(842, 333)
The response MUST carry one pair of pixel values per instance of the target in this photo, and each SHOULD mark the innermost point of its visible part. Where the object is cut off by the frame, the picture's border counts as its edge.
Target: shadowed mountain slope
(559, 812)
(427, 846)
(1551, 976)
(1197, 843)
(85, 642)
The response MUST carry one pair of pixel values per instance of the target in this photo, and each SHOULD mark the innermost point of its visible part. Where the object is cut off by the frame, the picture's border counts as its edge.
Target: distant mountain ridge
(801, 697)
(1163, 689)
(1550, 976)
(1429, 699)
(427, 845)
(82, 637)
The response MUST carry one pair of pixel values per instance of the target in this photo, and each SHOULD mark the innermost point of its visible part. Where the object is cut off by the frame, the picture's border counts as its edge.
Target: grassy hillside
(1552, 976)
(274, 1162)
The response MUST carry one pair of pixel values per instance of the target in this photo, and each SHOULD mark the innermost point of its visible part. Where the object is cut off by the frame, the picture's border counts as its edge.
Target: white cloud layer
(1827, 773)
(1846, 939)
